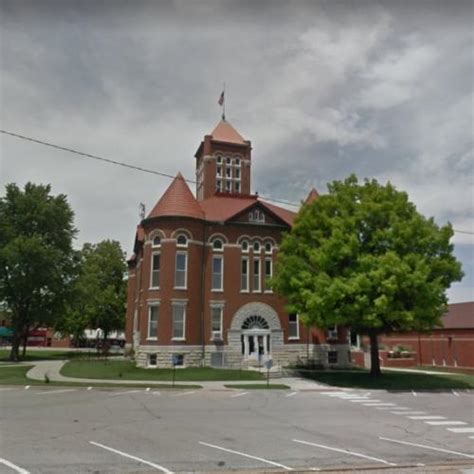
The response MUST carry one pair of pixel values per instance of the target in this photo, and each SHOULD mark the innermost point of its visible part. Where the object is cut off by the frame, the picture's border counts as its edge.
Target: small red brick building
(451, 345)
(197, 286)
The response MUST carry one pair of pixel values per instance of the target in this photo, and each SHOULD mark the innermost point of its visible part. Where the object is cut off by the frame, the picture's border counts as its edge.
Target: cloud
(323, 89)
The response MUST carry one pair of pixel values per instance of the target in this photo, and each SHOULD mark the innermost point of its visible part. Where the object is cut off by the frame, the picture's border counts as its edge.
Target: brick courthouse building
(197, 283)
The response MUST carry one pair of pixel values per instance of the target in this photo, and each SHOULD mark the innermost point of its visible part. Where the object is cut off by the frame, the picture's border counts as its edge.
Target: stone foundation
(227, 356)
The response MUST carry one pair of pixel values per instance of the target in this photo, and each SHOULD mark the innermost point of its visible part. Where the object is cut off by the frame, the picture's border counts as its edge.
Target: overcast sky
(322, 89)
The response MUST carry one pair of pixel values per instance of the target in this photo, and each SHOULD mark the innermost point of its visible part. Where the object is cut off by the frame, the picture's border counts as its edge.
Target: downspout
(203, 271)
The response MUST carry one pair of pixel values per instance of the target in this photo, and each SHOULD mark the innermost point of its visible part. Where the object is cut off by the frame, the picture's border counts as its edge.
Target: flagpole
(223, 105)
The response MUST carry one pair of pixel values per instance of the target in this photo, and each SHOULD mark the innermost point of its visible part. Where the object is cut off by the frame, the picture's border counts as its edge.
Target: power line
(145, 170)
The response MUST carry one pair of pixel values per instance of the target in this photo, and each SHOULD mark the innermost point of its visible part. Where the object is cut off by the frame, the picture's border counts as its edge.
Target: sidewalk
(52, 369)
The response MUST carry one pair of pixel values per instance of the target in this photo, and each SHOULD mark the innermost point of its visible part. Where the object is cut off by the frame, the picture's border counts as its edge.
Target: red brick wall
(139, 285)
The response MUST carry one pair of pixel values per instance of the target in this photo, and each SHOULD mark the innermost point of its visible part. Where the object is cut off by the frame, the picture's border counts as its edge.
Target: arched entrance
(256, 337)
(255, 330)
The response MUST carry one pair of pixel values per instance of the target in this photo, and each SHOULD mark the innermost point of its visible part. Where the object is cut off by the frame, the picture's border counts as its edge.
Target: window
(293, 326)
(153, 322)
(331, 333)
(152, 360)
(251, 218)
(268, 274)
(332, 357)
(244, 275)
(245, 246)
(237, 187)
(216, 322)
(178, 360)
(237, 174)
(268, 247)
(180, 272)
(237, 162)
(219, 171)
(219, 159)
(256, 275)
(256, 216)
(228, 161)
(156, 242)
(217, 244)
(155, 270)
(228, 186)
(219, 186)
(256, 246)
(179, 321)
(228, 172)
(181, 240)
(217, 273)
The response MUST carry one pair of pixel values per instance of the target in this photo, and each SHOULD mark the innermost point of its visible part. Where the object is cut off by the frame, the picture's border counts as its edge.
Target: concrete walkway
(52, 369)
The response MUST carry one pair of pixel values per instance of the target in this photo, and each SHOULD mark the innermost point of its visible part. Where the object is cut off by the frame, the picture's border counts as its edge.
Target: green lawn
(391, 380)
(17, 376)
(125, 370)
(34, 355)
(258, 386)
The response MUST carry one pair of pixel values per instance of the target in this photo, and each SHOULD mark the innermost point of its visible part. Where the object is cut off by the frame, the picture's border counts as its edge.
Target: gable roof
(225, 132)
(177, 201)
(221, 208)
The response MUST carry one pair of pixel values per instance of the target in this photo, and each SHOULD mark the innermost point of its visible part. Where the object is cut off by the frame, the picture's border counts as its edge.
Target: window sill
(294, 338)
(268, 292)
(180, 288)
(180, 339)
(151, 338)
(218, 290)
(257, 291)
(245, 291)
(154, 288)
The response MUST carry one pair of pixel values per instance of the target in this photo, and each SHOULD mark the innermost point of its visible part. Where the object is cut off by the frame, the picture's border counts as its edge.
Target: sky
(323, 89)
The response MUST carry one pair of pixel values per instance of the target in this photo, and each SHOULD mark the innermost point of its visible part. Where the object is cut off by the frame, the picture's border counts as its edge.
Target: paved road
(76, 430)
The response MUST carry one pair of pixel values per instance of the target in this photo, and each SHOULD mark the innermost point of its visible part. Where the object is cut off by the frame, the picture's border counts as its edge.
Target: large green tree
(37, 264)
(362, 256)
(99, 291)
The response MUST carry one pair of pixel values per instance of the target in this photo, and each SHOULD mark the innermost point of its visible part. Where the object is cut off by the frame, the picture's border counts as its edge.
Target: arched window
(217, 244)
(256, 246)
(182, 240)
(245, 245)
(268, 246)
(156, 242)
(255, 322)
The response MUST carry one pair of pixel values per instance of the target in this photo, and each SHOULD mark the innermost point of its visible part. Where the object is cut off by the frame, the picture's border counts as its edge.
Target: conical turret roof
(177, 200)
(312, 196)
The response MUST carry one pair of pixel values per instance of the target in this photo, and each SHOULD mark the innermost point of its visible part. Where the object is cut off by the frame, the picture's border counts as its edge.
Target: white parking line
(185, 393)
(14, 466)
(427, 417)
(27, 387)
(461, 430)
(445, 423)
(241, 394)
(387, 408)
(380, 404)
(129, 456)
(246, 455)
(124, 393)
(344, 451)
(56, 391)
(414, 393)
(365, 400)
(427, 447)
(408, 412)
(455, 393)
(291, 394)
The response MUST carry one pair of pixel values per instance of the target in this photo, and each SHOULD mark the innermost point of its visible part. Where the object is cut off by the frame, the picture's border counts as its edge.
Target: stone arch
(251, 309)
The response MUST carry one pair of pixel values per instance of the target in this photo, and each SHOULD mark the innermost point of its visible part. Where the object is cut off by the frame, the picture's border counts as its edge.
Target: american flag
(221, 99)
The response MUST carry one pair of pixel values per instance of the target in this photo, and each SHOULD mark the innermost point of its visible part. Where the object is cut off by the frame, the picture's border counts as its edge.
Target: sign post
(174, 361)
(268, 365)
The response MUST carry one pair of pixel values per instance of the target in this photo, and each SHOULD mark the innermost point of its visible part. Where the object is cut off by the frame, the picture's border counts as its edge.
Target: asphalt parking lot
(78, 430)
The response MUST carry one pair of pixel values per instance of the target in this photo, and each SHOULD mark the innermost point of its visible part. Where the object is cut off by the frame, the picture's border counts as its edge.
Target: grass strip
(258, 386)
(126, 370)
(391, 380)
(17, 376)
